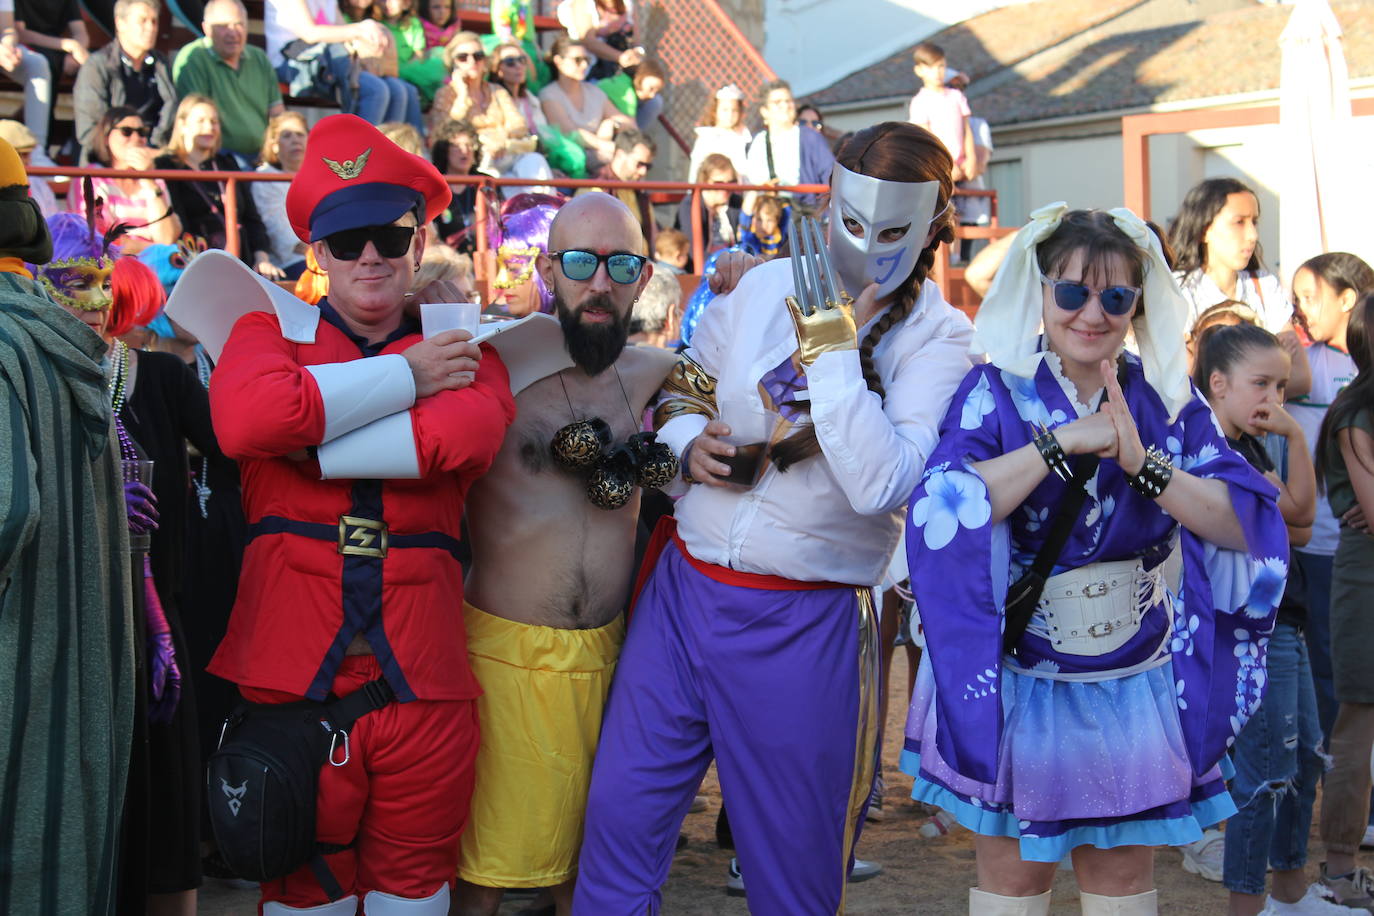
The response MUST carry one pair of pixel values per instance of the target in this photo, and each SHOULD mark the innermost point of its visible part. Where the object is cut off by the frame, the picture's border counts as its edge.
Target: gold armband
(687, 390)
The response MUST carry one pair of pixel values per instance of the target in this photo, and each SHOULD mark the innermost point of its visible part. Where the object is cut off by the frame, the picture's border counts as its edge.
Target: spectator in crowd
(672, 251)
(456, 151)
(606, 28)
(1242, 371)
(763, 233)
(784, 154)
(235, 74)
(439, 19)
(513, 21)
(722, 130)
(55, 29)
(24, 143)
(30, 70)
(1345, 462)
(69, 618)
(1216, 241)
(416, 64)
(973, 211)
(283, 148)
(441, 264)
(307, 41)
(631, 161)
(510, 68)
(810, 116)
(637, 93)
(578, 108)
(942, 110)
(1325, 289)
(126, 73)
(200, 204)
(654, 318)
(720, 209)
(404, 136)
(507, 144)
(120, 141)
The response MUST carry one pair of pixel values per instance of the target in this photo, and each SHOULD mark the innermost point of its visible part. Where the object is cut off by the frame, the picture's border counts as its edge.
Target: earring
(417, 266)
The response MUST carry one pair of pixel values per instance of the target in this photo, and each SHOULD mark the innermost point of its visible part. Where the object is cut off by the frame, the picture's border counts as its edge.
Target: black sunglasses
(1072, 295)
(143, 132)
(464, 56)
(512, 61)
(390, 241)
(580, 264)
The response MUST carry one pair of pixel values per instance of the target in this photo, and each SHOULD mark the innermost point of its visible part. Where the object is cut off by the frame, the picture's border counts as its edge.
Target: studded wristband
(1049, 448)
(1154, 474)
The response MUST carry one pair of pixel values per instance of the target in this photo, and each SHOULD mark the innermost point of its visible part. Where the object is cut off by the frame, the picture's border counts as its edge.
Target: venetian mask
(79, 283)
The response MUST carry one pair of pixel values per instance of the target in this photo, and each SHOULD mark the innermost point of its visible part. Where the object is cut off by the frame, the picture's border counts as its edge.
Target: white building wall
(814, 43)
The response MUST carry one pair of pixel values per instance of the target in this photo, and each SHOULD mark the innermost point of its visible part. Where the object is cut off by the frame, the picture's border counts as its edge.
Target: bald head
(596, 221)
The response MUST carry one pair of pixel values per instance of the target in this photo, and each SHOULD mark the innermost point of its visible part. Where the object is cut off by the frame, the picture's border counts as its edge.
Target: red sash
(666, 530)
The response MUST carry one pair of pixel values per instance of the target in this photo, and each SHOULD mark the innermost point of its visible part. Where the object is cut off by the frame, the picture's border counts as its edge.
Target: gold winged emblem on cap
(349, 168)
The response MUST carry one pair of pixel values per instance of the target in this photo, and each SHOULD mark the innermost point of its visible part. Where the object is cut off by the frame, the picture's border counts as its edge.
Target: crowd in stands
(584, 103)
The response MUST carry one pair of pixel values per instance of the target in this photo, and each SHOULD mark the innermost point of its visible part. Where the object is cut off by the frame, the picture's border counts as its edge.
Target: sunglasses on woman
(1072, 295)
(512, 61)
(580, 264)
(463, 57)
(128, 132)
(390, 241)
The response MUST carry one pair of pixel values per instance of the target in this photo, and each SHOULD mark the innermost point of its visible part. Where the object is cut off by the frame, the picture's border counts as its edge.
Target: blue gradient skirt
(1099, 764)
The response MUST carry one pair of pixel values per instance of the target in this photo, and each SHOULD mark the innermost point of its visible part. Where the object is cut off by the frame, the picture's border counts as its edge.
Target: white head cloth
(1009, 320)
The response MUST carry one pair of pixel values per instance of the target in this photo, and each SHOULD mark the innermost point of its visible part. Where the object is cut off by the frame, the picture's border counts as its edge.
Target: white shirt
(278, 36)
(1332, 370)
(1263, 293)
(733, 144)
(270, 199)
(837, 516)
(786, 156)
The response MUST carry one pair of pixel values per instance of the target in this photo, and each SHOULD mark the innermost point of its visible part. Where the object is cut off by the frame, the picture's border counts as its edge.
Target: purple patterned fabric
(961, 566)
(779, 388)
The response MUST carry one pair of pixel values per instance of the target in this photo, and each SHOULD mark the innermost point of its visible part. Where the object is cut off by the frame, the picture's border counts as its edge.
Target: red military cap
(353, 176)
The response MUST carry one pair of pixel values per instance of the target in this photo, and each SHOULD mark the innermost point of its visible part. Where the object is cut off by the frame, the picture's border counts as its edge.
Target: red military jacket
(312, 575)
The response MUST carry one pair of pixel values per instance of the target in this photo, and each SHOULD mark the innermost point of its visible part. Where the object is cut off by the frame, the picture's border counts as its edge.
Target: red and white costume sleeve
(330, 559)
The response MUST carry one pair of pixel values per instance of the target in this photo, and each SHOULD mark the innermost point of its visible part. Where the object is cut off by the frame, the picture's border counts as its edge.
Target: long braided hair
(891, 151)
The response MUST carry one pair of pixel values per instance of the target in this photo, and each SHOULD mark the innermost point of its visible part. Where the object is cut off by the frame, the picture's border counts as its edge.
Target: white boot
(1146, 904)
(346, 906)
(981, 903)
(377, 903)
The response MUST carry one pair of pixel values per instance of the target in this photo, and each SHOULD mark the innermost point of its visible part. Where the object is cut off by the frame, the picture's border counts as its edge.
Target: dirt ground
(921, 877)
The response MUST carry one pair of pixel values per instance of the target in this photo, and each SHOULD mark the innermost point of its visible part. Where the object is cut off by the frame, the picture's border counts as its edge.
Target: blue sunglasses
(1072, 295)
(580, 264)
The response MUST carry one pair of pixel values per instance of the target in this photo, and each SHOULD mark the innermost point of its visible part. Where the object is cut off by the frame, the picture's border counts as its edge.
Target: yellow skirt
(544, 690)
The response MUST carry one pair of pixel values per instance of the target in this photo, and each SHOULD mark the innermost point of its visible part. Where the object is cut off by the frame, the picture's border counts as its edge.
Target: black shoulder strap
(768, 149)
(346, 711)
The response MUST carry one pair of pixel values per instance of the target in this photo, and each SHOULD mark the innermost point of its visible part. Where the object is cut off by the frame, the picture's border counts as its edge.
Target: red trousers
(401, 801)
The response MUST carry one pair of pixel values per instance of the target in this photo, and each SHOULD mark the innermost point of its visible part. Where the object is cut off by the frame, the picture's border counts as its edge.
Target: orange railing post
(231, 217)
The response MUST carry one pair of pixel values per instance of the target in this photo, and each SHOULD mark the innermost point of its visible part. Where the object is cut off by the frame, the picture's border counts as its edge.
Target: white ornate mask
(878, 206)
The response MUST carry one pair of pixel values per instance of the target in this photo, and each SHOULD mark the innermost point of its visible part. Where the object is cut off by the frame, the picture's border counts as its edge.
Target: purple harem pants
(780, 686)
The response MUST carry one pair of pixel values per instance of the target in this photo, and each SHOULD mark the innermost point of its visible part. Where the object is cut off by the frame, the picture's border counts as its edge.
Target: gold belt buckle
(362, 537)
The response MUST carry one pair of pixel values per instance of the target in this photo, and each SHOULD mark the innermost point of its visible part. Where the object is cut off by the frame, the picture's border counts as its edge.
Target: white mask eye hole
(854, 228)
(895, 234)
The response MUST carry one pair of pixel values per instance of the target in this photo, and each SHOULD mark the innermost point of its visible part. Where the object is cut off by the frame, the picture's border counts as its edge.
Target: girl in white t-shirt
(1217, 254)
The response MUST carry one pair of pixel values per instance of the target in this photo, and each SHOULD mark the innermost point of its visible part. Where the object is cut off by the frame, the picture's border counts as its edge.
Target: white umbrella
(1321, 199)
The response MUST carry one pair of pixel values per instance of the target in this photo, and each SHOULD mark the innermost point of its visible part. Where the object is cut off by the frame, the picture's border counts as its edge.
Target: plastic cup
(746, 465)
(437, 317)
(140, 470)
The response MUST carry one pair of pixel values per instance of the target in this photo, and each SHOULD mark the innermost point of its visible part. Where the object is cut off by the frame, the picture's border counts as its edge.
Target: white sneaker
(734, 881)
(862, 871)
(1318, 901)
(1205, 857)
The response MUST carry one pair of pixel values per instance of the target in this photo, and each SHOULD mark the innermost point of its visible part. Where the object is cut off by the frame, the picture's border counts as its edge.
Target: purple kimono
(1061, 750)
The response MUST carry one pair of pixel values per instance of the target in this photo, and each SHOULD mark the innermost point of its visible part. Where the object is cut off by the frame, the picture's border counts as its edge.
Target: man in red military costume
(358, 441)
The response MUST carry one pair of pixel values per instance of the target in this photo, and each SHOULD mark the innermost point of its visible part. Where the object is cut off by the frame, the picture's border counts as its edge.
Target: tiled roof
(1130, 59)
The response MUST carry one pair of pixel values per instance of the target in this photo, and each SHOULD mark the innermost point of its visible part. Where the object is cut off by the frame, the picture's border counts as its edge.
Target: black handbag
(262, 780)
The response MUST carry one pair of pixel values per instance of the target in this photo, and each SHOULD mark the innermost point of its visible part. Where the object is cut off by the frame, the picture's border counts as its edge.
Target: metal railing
(483, 260)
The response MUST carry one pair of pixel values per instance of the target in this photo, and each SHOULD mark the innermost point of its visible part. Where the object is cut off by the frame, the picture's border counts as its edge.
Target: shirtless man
(552, 572)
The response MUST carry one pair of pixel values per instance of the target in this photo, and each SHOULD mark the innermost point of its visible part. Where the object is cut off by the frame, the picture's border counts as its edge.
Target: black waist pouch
(263, 778)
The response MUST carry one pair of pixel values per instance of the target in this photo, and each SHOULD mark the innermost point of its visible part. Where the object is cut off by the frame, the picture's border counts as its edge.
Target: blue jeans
(388, 98)
(1316, 570)
(1278, 765)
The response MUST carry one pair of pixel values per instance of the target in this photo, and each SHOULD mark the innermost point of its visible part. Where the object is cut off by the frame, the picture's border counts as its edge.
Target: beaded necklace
(119, 375)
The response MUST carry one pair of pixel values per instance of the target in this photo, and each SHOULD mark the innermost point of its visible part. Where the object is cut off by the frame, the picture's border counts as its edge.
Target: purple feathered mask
(521, 234)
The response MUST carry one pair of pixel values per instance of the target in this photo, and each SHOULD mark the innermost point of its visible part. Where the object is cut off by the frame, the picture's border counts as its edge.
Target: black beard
(594, 348)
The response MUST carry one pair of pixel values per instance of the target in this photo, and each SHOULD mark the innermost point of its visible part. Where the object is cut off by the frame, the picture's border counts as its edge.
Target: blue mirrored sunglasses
(1072, 295)
(580, 264)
